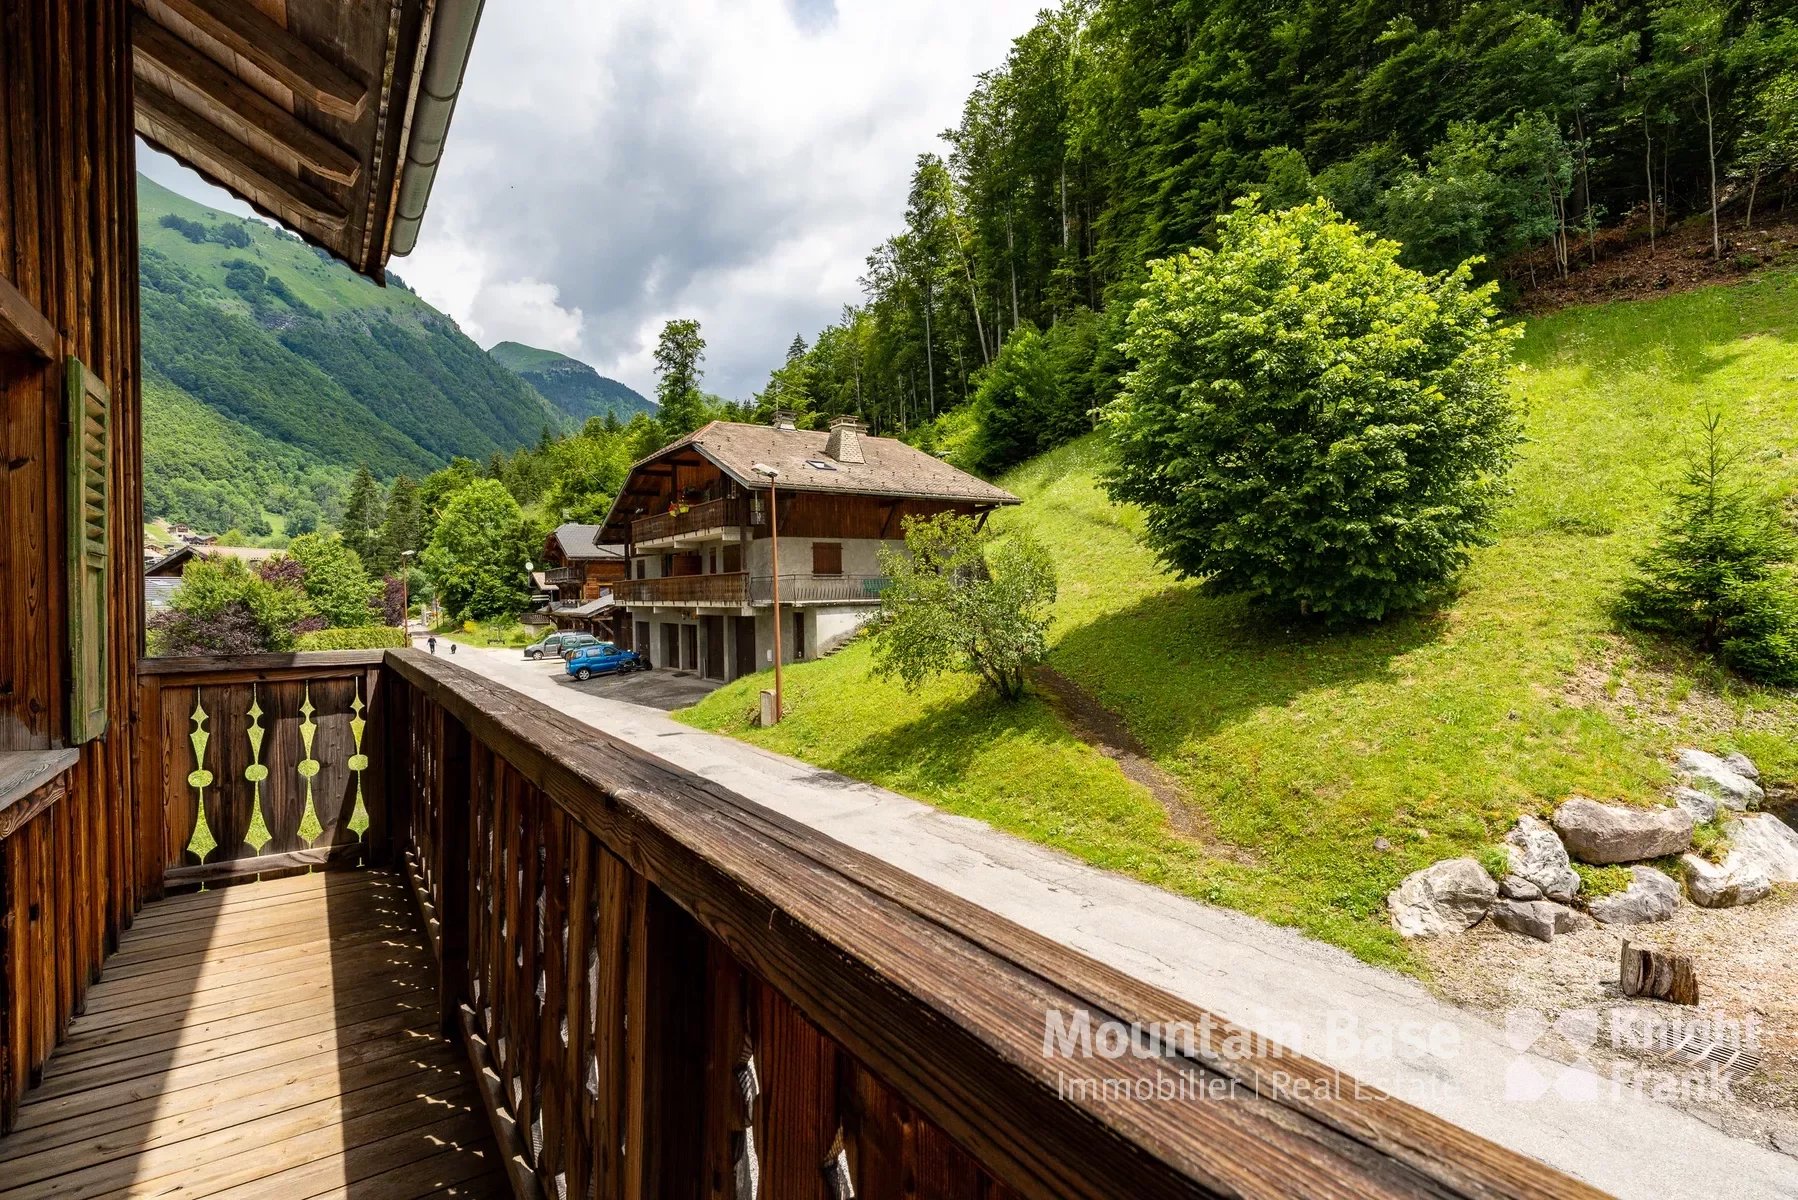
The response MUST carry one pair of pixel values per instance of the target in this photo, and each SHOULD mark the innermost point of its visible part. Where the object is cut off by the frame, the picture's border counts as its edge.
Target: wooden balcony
(696, 521)
(818, 589)
(654, 987)
(727, 590)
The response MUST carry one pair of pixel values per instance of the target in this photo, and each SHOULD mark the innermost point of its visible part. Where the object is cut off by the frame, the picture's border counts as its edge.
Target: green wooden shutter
(89, 462)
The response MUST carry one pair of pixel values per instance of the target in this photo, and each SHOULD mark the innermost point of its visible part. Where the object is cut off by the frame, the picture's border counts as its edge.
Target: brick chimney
(845, 444)
(783, 419)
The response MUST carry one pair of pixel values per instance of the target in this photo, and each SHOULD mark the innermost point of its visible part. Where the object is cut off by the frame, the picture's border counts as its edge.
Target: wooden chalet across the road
(473, 946)
(577, 576)
(695, 521)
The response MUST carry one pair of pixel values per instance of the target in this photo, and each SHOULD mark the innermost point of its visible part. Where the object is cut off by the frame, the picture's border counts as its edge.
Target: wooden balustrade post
(453, 870)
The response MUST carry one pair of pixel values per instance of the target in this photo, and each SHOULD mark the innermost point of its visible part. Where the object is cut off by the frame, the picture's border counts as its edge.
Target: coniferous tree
(1718, 577)
(680, 354)
(362, 512)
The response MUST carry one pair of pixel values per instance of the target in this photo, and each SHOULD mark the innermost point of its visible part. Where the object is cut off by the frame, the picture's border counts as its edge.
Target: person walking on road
(432, 643)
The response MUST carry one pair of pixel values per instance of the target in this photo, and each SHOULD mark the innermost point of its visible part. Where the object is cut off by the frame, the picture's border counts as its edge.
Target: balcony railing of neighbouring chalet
(818, 589)
(730, 589)
(702, 517)
(561, 575)
(669, 991)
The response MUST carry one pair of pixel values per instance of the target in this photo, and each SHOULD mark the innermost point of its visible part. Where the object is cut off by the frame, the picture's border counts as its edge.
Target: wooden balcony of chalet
(728, 589)
(700, 521)
(471, 947)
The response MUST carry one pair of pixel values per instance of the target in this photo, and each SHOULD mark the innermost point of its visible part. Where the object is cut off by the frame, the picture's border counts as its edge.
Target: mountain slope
(1320, 768)
(281, 341)
(571, 385)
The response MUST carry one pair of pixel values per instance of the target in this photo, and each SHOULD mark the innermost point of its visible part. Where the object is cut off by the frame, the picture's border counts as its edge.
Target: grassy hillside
(278, 339)
(571, 385)
(1298, 748)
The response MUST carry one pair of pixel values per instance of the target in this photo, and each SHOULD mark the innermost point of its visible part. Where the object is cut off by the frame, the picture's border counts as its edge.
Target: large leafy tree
(1310, 422)
(336, 582)
(477, 553)
(957, 600)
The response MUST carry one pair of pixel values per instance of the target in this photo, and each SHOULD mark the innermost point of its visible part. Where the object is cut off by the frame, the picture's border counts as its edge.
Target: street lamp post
(770, 474)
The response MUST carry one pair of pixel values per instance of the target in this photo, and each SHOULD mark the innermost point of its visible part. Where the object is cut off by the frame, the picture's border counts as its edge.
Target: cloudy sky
(616, 164)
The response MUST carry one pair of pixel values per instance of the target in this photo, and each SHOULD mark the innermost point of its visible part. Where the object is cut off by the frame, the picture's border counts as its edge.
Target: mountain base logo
(1656, 1055)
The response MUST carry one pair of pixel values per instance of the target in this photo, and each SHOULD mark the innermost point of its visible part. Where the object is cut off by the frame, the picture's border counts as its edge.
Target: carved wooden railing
(729, 588)
(670, 991)
(703, 517)
(262, 765)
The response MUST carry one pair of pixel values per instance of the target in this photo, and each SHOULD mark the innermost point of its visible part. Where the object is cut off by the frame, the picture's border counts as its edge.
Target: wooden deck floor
(275, 1040)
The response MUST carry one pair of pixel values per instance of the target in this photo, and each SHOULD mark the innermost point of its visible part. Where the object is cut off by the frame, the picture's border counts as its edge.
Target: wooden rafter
(165, 121)
(227, 102)
(276, 51)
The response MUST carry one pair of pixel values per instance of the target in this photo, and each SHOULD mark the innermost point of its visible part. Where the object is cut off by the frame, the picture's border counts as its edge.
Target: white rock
(1651, 896)
(1446, 897)
(1742, 765)
(1767, 842)
(1536, 855)
(1711, 774)
(1702, 805)
(1738, 880)
(1515, 887)
(1539, 919)
(1612, 833)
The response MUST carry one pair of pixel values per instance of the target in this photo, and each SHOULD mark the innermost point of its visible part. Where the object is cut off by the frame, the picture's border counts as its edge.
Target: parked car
(603, 658)
(559, 644)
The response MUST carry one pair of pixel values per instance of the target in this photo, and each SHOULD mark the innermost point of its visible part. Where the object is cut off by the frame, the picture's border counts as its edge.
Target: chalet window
(827, 558)
(88, 461)
(733, 558)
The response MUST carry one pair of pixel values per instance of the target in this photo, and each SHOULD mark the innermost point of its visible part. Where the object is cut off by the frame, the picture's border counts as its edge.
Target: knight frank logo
(1700, 1056)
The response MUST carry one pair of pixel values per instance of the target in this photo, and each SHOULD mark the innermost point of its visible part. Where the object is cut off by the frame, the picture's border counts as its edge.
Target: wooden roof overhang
(327, 116)
(650, 479)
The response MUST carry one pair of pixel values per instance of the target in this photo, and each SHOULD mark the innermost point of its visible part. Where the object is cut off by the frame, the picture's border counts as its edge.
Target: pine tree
(362, 515)
(679, 354)
(402, 530)
(1715, 578)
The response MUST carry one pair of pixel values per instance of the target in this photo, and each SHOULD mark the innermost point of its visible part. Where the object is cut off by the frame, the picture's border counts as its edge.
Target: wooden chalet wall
(68, 255)
(828, 515)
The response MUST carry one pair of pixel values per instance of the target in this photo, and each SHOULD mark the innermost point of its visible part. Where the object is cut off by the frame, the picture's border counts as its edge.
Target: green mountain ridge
(571, 385)
(260, 334)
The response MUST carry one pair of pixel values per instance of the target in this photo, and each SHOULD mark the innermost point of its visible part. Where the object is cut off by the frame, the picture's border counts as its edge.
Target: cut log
(1658, 975)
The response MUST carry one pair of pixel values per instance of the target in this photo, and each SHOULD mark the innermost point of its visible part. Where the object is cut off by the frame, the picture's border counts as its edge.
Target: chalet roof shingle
(890, 467)
(580, 543)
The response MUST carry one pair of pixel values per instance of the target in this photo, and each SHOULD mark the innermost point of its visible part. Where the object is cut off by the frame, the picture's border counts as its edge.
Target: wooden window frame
(835, 548)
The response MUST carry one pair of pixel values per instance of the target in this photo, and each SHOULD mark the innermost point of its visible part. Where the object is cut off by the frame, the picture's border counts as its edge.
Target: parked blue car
(603, 658)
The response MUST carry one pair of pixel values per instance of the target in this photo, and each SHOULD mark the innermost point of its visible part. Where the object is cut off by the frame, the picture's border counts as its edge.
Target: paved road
(1303, 993)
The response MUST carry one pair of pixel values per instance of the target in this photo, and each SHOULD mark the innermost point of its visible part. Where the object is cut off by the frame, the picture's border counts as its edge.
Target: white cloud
(729, 160)
(612, 166)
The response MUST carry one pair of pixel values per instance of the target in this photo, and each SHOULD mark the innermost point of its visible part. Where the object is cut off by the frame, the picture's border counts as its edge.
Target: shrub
(1595, 883)
(1021, 407)
(357, 637)
(1718, 577)
(956, 600)
(1308, 421)
(222, 607)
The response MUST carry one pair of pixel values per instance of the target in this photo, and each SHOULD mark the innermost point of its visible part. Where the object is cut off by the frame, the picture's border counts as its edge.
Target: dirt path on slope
(1106, 732)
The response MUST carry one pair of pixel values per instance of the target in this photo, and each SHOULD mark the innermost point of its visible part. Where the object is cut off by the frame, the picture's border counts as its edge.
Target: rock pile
(1539, 889)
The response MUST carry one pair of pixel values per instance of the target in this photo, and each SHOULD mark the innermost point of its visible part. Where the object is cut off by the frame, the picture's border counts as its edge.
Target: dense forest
(1116, 132)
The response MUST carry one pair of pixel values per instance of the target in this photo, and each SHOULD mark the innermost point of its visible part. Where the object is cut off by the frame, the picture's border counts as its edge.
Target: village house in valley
(577, 575)
(696, 524)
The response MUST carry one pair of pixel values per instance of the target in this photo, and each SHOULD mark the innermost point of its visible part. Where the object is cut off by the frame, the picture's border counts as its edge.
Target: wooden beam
(229, 101)
(23, 329)
(164, 120)
(274, 49)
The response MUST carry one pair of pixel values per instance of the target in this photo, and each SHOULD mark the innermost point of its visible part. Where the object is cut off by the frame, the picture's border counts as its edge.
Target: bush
(1718, 577)
(357, 637)
(1309, 422)
(957, 601)
(224, 608)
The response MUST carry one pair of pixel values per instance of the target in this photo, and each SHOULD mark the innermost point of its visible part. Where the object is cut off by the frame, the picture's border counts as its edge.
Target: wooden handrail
(943, 1002)
(251, 664)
